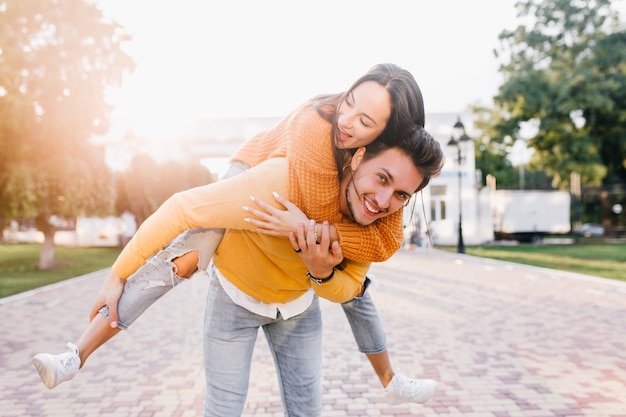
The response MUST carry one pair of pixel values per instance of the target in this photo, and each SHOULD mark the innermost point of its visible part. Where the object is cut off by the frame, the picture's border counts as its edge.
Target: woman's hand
(109, 295)
(275, 222)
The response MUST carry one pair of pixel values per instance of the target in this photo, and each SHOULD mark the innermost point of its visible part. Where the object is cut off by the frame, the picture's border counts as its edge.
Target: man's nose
(383, 198)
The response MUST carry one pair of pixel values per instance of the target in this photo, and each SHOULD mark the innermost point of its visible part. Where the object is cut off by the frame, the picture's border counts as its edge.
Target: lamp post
(458, 137)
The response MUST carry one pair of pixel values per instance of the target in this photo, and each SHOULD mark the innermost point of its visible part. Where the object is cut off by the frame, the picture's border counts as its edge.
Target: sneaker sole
(43, 373)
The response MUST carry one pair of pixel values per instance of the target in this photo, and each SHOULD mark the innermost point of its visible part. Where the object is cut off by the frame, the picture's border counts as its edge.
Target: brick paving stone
(502, 339)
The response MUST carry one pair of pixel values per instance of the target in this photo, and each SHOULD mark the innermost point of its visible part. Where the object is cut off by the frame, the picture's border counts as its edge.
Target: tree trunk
(46, 258)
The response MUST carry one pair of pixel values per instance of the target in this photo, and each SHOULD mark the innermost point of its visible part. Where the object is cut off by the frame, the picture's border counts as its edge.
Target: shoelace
(70, 357)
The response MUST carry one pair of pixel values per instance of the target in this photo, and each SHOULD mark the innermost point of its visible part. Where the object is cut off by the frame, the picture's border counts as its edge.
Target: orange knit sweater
(305, 138)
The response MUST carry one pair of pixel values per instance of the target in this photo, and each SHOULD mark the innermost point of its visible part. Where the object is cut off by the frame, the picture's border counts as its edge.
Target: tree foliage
(566, 72)
(145, 185)
(494, 155)
(57, 59)
(491, 151)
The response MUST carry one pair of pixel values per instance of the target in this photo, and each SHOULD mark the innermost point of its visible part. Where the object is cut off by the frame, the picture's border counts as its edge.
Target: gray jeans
(230, 333)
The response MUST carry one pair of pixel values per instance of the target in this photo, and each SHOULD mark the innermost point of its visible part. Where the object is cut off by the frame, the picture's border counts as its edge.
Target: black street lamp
(458, 137)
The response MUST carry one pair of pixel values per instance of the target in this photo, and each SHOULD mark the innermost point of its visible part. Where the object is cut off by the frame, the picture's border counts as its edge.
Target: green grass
(19, 272)
(601, 260)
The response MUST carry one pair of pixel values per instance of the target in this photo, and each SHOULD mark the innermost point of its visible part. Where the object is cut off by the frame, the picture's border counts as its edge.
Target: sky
(262, 58)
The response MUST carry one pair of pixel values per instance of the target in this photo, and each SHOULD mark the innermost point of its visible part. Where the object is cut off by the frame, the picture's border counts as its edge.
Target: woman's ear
(357, 158)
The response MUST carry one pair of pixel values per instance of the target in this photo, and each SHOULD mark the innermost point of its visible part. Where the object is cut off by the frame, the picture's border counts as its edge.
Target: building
(457, 195)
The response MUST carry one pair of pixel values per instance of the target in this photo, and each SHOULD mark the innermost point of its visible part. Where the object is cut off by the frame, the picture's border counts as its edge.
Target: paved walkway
(504, 340)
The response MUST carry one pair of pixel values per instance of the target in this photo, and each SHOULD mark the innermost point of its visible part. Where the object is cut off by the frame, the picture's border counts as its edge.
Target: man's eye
(403, 197)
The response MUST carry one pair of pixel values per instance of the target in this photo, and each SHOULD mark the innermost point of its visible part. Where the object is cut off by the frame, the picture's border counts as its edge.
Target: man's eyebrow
(391, 177)
(389, 174)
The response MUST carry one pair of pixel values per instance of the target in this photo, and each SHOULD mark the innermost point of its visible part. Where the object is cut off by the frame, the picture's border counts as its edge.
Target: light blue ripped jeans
(154, 279)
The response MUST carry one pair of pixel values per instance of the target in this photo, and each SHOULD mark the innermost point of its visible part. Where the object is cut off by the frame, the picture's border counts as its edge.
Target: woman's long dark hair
(407, 106)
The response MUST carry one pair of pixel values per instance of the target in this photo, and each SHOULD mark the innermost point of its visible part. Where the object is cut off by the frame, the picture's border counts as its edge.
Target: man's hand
(109, 295)
(275, 222)
(320, 259)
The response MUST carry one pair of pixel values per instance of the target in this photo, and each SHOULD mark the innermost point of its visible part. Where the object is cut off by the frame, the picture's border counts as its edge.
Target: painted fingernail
(246, 208)
(275, 194)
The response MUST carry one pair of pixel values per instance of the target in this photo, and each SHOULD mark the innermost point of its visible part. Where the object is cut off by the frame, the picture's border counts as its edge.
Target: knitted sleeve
(259, 148)
(375, 243)
(272, 143)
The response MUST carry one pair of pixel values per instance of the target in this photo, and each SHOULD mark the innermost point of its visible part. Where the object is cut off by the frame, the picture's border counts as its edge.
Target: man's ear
(357, 158)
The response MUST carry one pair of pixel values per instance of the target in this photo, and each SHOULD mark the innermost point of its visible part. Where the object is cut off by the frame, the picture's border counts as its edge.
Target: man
(271, 282)
(282, 301)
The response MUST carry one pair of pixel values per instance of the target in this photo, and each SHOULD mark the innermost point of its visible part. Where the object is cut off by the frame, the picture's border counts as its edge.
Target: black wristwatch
(320, 281)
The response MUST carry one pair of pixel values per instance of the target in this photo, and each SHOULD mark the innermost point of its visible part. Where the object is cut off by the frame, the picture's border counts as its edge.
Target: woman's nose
(346, 119)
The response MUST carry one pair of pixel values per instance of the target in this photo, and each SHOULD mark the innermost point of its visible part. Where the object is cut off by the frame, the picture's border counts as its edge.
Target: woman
(385, 103)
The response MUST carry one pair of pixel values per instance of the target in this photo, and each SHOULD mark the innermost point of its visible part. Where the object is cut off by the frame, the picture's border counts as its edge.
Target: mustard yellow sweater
(305, 138)
(265, 267)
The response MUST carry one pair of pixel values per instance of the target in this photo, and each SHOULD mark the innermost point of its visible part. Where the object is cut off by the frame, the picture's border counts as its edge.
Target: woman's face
(363, 115)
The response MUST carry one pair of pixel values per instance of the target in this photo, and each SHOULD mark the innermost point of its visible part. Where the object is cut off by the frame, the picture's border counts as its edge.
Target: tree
(494, 154)
(567, 73)
(491, 151)
(58, 59)
(145, 185)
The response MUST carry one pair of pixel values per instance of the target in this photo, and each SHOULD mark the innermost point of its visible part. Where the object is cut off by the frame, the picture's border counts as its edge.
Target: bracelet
(320, 281)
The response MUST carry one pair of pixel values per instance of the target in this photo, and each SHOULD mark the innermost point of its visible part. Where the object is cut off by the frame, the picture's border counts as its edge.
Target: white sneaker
(54, 369)
(403, 390)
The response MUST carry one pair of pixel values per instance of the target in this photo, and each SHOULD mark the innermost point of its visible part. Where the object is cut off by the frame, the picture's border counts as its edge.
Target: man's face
(378, 187)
